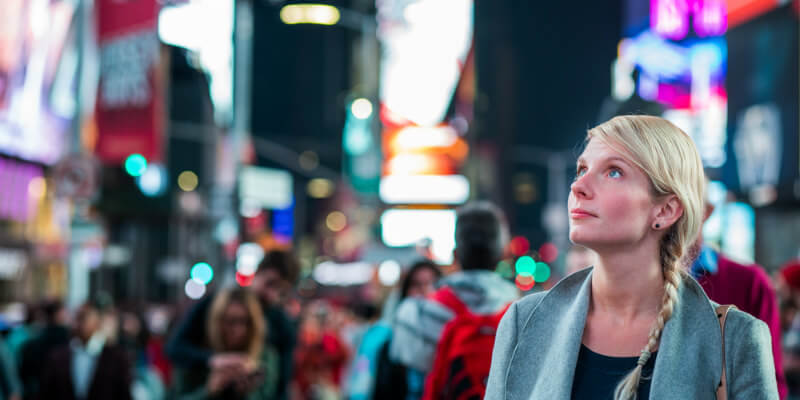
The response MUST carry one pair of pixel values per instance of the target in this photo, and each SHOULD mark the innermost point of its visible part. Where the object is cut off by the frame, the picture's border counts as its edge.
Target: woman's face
(236, 327)
(610, 202)
(422, 282)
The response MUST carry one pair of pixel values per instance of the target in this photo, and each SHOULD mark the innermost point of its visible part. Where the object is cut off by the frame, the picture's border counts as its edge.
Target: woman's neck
(627, 284)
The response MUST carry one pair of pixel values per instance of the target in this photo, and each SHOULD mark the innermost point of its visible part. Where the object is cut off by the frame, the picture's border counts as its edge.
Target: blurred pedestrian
(373, 375)
(21, 333)
(37, 350)
(635, 325)
(10, 386)
(89, 367)
(789, 282)
(481, 236)
(241, 367)
(276, 275)
(321, 354)
(134, 337)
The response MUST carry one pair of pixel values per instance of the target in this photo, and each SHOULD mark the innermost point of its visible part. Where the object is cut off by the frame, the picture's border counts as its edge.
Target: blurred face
(421, 283)
(87, 322)
(236, 327)
(610, 203)
(270, 287)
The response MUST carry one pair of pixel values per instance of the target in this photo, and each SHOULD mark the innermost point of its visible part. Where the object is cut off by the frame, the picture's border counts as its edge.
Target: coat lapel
(551, 338)
(689, 362)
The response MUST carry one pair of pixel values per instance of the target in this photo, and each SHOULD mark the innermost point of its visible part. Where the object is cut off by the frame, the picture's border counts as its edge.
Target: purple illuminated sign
(670, 18)
(15, 179)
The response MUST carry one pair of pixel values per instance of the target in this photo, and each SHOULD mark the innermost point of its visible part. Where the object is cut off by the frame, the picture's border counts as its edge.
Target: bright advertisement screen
(37, 70)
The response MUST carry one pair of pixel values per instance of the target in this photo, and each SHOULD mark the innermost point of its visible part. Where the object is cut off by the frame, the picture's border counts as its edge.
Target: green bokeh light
(135, 165)
(542, 272)
(202, 273)
(525, 265)
(504, 270)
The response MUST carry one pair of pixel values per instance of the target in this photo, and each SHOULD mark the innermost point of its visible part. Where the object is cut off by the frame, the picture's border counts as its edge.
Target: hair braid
(671, 253)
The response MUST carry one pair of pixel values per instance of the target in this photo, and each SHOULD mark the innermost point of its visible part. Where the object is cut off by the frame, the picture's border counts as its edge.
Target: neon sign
(670, 18)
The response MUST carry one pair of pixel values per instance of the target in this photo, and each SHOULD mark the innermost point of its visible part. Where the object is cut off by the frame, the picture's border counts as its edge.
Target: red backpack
(464, 353)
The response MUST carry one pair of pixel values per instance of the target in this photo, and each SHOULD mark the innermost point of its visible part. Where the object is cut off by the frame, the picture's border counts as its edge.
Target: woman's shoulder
(744, 326)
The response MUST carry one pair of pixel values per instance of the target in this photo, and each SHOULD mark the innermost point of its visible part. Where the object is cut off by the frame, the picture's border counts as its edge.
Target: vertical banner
(129, 103)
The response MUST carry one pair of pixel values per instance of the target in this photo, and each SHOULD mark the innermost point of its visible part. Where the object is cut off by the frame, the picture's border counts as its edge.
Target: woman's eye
(615, 173)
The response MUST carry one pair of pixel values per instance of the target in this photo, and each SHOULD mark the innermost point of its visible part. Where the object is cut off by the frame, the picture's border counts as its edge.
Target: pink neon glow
(710, 17)
(679, 98)
(669, 18)
(14, 199)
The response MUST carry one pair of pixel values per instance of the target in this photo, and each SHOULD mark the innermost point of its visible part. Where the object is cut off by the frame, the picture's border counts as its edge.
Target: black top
(596, 375)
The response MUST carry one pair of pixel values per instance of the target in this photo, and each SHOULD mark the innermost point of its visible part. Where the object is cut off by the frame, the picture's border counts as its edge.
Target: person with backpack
(373, 375)
(464, 309)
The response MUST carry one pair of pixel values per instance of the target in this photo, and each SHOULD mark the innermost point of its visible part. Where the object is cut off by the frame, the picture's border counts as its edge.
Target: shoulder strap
(722, 314)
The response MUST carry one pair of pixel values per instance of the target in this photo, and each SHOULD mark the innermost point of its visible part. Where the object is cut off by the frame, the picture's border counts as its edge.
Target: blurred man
(481, 238)
(88, 368)
(746, 286)
(276, 275)
(36, 351)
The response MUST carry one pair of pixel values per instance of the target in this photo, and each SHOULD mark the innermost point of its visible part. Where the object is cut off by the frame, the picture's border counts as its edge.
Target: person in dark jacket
(274, 278)
(36, 351)
(88, 368)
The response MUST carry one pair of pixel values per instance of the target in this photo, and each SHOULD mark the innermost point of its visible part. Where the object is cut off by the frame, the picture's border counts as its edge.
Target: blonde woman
(245, 369)
(635, 326)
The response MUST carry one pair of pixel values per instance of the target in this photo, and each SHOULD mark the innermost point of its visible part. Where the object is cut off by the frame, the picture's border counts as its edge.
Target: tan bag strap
(722, 313)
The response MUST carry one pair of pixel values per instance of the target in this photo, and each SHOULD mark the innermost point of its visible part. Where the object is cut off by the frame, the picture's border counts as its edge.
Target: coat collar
(549, 340)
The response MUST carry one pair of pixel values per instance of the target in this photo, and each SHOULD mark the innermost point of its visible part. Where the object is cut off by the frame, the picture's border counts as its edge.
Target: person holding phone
(242, 367)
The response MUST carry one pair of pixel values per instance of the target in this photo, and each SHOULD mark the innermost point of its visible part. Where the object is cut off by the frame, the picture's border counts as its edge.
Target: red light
(244, 280)
(519, 246)
(525, 282)
(548, 252)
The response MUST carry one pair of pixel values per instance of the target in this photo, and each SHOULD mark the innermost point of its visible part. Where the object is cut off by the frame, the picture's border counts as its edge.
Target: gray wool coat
(538, 340)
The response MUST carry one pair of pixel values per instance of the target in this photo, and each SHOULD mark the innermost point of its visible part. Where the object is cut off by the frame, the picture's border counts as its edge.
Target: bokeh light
(202, 273)
(188, 181)
(135, 165)
(525, 282)
(525, 266)
(389, 272)
(37, 187)
(542, 272)
(194, 289)
(504, 269)
(548, 252)
(519, 246)
(336, 221)
(244, 280)
(361, 108)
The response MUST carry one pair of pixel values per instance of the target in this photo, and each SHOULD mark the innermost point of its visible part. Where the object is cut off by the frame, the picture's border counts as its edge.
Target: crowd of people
(467, 333)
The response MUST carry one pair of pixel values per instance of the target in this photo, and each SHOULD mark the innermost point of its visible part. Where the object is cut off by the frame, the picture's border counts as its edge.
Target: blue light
(202, 273)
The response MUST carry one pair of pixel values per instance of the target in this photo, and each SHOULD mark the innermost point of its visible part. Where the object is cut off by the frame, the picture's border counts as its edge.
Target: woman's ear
(667, 212)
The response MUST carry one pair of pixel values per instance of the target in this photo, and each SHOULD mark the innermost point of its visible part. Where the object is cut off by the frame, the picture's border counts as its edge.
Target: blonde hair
(258, 326)
(670, 159)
